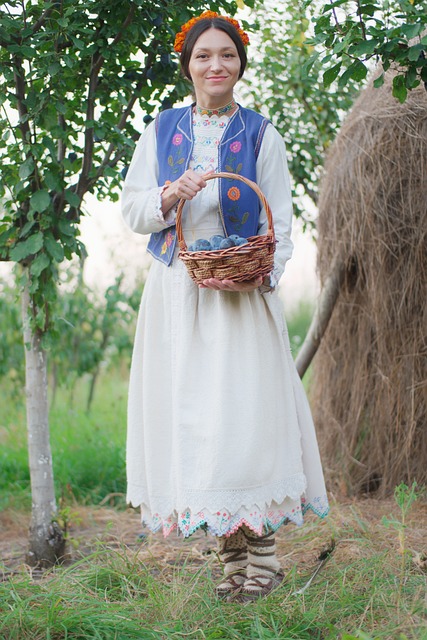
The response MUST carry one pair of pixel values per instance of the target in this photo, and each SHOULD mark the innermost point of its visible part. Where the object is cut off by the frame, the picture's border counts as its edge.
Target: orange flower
(233, 193)
(180, 37)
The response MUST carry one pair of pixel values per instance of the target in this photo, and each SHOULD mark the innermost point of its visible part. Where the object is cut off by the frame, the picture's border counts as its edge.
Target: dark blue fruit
(216, 241)
(227, 243)
(202, 245)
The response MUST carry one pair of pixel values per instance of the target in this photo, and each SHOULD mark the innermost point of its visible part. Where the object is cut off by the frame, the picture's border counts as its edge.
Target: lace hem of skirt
(224, 523)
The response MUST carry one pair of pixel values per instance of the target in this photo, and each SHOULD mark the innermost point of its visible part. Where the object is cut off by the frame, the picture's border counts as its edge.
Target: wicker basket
(239, 264)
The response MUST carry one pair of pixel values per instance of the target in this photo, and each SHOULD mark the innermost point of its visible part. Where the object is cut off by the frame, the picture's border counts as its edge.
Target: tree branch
(125, 24)
(40, 22)
(362, 24)
(325, 306)
(24, 126)
(313, 195)
(90, 115)
(97, 61)
(126, 113)
(18, 73)
(118, 36)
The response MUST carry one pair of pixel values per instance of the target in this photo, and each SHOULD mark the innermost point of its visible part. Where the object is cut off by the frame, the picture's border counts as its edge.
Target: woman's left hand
(229, 285)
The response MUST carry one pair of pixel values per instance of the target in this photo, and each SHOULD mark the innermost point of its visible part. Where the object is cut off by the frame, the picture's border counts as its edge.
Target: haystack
(369, 388)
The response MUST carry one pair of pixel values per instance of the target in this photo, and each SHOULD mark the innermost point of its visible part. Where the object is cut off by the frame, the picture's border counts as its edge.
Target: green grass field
(114, 586)
(87, 448)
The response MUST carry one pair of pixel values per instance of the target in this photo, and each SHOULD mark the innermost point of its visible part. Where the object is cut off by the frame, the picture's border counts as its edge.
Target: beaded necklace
(221, 111)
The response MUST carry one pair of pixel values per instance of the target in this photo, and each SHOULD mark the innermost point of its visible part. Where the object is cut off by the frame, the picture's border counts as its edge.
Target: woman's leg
(263, 571)
(233, 554)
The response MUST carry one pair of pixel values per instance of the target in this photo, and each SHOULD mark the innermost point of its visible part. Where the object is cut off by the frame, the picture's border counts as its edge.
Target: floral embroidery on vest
(170, 237)
(231, 161)
(176, 158)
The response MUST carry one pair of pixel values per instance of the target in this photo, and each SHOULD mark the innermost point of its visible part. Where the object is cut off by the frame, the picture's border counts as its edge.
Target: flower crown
(180, 37)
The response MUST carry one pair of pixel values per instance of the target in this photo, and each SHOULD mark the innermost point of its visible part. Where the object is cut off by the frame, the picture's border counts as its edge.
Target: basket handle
(234, 176)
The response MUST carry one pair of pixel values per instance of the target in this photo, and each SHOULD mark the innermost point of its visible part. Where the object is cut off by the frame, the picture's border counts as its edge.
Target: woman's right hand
(187, 186)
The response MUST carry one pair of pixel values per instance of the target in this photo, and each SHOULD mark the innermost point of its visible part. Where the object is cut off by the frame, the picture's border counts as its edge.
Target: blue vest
(237, 153)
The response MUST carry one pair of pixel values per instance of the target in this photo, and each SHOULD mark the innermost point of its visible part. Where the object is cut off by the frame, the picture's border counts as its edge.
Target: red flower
(180, 37)
(233, 193)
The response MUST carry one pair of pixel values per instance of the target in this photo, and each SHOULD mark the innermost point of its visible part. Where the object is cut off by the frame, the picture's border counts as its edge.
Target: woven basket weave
(239, 264)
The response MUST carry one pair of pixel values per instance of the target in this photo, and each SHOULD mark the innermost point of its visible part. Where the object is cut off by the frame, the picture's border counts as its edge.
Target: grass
(128, 590)
(87, 448)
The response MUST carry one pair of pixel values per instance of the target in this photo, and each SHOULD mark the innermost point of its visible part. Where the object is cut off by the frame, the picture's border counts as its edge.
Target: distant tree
(390, 32)
(11, 347)
(95, 330)
(313, 58)
(72, 74)
(304, 111)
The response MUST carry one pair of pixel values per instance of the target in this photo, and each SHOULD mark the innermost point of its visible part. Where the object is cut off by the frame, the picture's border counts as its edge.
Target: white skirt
(220, 432)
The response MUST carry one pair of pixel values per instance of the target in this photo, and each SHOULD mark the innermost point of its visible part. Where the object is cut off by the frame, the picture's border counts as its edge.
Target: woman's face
(214, 68)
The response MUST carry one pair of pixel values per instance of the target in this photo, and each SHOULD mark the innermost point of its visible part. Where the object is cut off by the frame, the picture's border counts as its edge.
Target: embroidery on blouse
(208, 132)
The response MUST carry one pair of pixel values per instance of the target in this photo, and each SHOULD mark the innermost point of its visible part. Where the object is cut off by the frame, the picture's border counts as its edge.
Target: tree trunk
(46, 541)
(325, 306)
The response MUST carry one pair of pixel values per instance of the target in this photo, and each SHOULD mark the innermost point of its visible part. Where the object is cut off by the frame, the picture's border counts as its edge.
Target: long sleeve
(273, 180)
(141, 196)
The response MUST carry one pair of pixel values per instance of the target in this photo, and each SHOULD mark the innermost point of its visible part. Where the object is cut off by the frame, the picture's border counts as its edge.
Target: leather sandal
(260, 586)
(231, 586)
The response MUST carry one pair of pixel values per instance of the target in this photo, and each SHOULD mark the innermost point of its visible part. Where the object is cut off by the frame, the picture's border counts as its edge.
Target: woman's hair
(196, 31)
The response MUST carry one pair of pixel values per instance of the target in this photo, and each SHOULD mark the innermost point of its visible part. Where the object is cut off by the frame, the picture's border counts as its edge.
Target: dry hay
(370, 374)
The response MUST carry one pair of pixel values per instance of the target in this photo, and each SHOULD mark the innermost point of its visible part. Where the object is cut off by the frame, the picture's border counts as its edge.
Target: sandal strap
(262, 585)
(230, 585)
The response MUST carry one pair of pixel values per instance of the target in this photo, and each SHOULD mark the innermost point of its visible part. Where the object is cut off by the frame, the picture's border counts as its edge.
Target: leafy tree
(104, 334)
(72, 73)
(315, 55)
(351, 34)
(304, 111)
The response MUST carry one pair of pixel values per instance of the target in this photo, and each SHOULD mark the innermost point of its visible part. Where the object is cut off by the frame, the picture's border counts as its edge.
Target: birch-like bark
(46, 539)
(325, 306)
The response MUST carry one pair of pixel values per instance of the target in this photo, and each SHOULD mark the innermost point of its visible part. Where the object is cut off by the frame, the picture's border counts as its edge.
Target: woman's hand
(186, 186)
(229, 285)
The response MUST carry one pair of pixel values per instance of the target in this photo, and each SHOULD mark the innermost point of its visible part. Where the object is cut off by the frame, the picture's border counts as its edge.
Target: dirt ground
(354, 527)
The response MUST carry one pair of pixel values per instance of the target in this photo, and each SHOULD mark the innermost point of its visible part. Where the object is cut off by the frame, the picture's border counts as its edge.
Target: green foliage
(298, 322)
(405, 497)
(11, 344)
(88, 449)
(290, 91)
(93, 331)
(353, 33)
(72, 74)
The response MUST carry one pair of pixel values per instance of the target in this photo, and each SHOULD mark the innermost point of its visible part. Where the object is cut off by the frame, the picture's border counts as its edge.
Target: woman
(220, 434)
